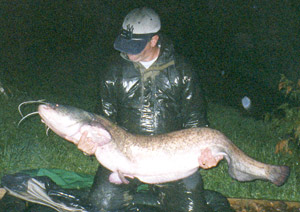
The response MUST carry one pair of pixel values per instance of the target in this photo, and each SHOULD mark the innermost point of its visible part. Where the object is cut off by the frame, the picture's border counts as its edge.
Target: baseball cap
(139, 26)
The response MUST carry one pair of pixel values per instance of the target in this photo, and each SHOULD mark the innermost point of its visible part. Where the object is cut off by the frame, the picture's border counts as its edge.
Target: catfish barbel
(154, 159)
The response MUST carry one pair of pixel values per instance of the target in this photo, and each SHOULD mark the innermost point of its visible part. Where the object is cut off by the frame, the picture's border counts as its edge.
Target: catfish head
(70, 123)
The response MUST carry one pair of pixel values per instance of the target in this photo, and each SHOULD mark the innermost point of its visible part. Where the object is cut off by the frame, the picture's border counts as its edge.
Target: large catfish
(154, 159)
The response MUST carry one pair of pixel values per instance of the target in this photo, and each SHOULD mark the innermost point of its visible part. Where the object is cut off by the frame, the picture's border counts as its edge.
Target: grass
(28, 147)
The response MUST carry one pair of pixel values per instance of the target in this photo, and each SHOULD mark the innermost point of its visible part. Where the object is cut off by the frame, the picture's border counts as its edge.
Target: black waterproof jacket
(163, 98)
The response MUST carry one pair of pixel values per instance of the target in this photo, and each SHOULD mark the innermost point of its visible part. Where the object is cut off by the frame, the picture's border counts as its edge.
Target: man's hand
(86, 144)
(207, 160)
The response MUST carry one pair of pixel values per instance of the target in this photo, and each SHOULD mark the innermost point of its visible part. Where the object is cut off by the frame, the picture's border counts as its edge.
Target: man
(151, 90)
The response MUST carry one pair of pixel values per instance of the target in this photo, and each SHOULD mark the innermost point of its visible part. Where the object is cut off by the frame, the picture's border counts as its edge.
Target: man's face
(149, 53)
(141, 56)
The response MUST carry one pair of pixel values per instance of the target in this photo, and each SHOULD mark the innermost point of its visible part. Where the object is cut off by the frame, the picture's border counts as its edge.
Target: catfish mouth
(70, 123)
(62, 123)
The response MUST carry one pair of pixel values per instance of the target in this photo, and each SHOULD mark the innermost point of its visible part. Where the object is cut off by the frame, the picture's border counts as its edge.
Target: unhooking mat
(50, 190)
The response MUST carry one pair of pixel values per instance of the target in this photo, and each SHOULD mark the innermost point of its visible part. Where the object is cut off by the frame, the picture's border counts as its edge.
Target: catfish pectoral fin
(122, 177)
(117, 178)
(279, 174)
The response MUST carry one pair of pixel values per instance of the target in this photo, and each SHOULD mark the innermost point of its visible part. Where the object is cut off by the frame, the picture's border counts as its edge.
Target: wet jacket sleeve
(194, 105)
(108, 99)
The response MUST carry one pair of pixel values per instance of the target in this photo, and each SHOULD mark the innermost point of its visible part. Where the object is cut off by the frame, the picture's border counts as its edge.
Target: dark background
(238, 47)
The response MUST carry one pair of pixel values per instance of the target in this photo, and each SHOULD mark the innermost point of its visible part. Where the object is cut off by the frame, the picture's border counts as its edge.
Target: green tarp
(63, 178)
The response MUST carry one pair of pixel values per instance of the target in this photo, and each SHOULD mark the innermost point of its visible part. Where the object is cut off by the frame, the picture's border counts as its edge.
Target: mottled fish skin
(155, 159)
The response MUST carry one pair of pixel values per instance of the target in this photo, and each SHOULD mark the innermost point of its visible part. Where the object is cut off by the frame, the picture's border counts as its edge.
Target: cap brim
(130, 46)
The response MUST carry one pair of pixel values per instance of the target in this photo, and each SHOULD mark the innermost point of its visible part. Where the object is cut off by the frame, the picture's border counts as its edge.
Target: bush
(286, 118)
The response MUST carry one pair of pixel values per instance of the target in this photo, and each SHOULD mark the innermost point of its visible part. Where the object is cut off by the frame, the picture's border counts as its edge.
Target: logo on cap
(127, 33)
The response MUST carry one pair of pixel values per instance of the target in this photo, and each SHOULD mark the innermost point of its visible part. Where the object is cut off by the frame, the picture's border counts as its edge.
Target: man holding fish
(151, 90)
(157, 133)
